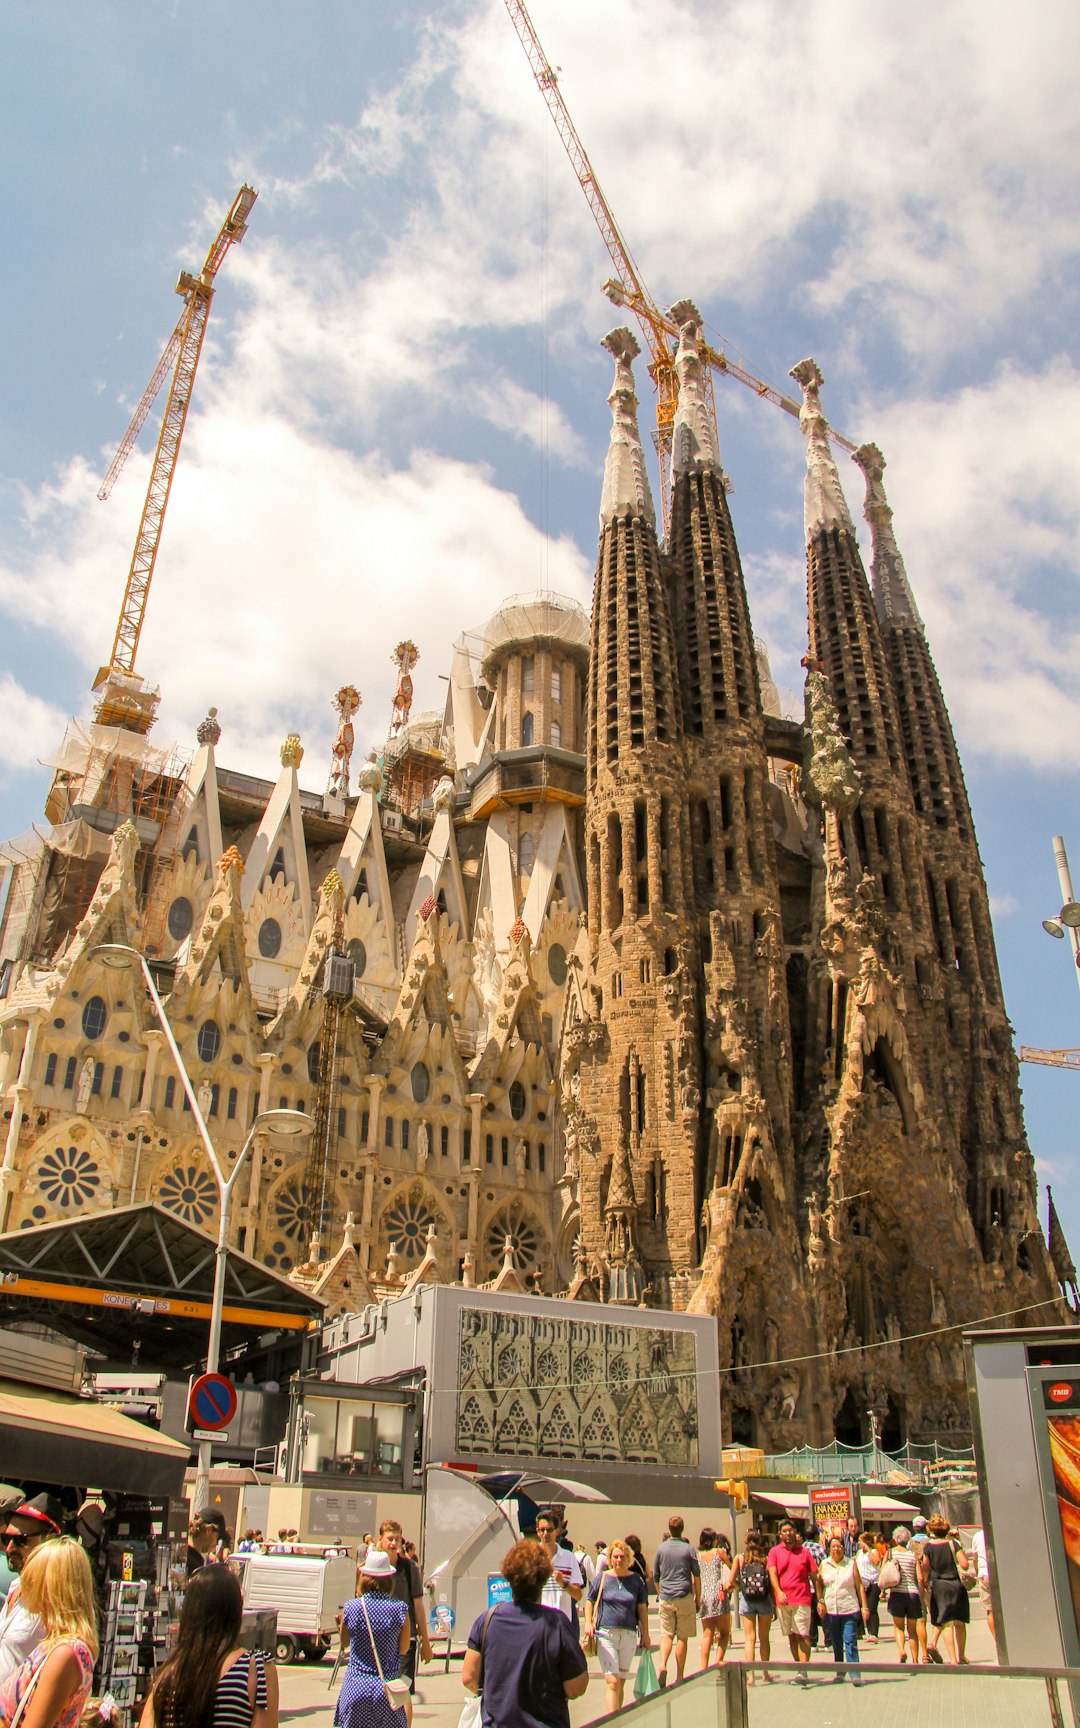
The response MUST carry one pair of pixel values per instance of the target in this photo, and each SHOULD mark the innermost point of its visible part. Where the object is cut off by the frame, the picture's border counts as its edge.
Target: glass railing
(884, 1695)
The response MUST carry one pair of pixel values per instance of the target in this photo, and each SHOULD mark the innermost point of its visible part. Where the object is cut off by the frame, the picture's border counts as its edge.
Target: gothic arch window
(558, 1437)
(527, 729)
(277, 868)
(526, 855)
(556, 735)
(314, 1062)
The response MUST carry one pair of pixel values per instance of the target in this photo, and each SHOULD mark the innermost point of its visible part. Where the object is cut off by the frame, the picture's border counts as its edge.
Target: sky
(400, 414)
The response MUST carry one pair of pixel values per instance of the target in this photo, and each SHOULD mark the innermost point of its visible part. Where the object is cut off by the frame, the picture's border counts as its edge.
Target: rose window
(292, 1214)
(68, 1177)
(189, 1192)
(406, 1224)
(518, 1225)
(618, 1373)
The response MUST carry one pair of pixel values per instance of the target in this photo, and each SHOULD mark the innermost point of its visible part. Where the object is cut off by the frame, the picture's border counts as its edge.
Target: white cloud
(31, 728)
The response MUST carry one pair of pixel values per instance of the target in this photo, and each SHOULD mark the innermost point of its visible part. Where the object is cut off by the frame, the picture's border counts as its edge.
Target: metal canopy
(141, 1274)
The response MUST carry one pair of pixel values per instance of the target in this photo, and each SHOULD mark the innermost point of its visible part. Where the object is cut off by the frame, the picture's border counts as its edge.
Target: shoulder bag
(890, 1576)
(470, 1710)
(588, 1643)
(20, 1708)
(396, 1690)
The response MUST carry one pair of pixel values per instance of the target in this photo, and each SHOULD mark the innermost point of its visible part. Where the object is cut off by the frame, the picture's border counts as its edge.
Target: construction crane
(627, 289)
(1051, 1058)
(181, 357)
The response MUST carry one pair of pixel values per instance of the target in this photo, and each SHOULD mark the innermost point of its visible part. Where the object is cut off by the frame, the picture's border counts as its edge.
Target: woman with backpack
(750, 1577)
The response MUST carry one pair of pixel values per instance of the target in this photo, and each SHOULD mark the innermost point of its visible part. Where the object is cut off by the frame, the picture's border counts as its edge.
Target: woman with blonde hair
(53, 1685)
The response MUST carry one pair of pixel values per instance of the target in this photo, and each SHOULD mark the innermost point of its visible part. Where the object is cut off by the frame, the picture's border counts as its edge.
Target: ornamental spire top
(626, 483)
(892, 591)
(824, 504)
(693, 441)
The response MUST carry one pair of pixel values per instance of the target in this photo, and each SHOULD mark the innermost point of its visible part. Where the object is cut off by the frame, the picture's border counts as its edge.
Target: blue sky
(400, 414)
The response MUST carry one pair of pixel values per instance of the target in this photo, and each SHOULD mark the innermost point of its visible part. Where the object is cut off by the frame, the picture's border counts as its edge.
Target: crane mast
(181, 354)
(628, 289)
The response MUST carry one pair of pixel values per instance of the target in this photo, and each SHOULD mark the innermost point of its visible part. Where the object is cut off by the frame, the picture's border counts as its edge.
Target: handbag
(588, 1643)
(470, 1710)
(396, 1690)
(890, 1576)
(645, 1681)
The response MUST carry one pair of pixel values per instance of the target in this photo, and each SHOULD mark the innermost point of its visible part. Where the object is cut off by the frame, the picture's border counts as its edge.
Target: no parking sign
(211, 1405)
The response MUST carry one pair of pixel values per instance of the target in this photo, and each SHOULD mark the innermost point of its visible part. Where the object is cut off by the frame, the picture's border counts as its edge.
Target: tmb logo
(1061, 1392)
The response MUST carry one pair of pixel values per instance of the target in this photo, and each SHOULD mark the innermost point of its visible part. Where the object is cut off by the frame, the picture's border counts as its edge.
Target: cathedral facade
(604, 981)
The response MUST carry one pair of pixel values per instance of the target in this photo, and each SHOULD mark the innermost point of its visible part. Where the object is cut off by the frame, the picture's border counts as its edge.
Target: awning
(873, 1505)
(53, 1438)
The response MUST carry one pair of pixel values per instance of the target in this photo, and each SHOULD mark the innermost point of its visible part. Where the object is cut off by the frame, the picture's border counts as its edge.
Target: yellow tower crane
(1051, 1058)
(120, 703)
(627, 289)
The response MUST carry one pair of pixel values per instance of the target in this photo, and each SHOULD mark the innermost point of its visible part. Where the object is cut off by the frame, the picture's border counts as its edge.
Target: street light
(288, 1122)
(1068, 919)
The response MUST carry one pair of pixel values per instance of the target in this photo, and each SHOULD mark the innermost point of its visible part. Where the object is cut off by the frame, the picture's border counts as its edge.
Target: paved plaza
(892, 1694)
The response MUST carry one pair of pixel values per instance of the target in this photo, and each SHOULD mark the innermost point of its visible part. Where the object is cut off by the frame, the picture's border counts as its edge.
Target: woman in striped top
(905, 1598)
(208, 1681)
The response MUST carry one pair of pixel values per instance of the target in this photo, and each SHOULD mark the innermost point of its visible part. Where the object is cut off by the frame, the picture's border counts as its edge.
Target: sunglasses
(14, 1539)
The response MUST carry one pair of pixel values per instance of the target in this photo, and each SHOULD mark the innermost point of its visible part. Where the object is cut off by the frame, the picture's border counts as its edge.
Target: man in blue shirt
(677, 1576)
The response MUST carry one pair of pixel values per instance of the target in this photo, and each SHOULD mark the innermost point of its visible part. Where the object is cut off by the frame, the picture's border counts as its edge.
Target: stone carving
(423, 1146)
(824, 504)
(86, 1085)
(292, 752)
(208, 731)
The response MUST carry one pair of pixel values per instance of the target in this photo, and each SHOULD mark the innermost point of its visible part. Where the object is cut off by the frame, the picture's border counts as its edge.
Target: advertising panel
(1055, 1413)
(831, 1505)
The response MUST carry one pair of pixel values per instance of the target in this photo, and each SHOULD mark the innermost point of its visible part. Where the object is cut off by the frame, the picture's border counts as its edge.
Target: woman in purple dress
(362, 1701)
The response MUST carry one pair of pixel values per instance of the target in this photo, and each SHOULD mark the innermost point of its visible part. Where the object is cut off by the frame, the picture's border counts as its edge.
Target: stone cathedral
(640, 994)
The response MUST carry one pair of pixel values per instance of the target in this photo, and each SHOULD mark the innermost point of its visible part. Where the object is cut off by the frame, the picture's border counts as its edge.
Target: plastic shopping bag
(645, 1681)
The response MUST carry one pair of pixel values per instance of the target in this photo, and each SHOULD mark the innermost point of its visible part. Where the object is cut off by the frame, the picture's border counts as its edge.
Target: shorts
(794, 1619)
(763, 1610)
(984, 1595)
(615, 1646)
(906, 1605)
(678, 1616)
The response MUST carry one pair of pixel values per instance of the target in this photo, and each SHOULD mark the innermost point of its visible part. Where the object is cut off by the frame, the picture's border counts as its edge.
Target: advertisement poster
(1055, 1412)
(831, 1505)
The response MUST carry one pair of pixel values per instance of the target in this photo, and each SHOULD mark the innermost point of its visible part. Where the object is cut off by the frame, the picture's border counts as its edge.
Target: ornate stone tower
(640, 1086)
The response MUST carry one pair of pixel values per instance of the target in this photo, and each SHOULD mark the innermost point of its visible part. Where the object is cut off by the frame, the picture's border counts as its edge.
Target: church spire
(892, 591)
(693, 441)
(824, 504)
(626, 483)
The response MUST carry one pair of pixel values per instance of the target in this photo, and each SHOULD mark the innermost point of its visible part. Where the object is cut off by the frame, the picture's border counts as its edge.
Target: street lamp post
(1068, 919)
(118, 954)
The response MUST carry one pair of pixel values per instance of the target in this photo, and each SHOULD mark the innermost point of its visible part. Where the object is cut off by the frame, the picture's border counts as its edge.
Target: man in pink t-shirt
(792, 1570)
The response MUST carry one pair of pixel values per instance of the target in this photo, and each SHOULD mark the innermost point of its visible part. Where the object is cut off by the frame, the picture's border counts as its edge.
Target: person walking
(638, 1564)
(565, 1583)
(792, 1571)
(819, 1622)
(408, 1588)
(714, 1565)
(617, 1616)
(840, 1592)
(750, 1577)
(375, 1633)
(25, 1529)
(868, 1564)
(522, 1659)
(943, 1565)
(51, 1687)
(209, 1681)
(678, 1585)
(982, 1577)
(899, 1574)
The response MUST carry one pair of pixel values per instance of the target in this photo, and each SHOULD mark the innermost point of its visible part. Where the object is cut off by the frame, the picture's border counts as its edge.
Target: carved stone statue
(520, 1165)
(423, 1146)
(86, 1085)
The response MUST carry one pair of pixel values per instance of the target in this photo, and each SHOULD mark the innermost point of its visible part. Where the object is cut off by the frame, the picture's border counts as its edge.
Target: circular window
(181, 918)
(358, 955)
(406, 1225)
(269, 938)
(68, 1177)
(518, 1101)
(314, 1063)
(208, 1042)
(94, 1017)
(517, 1224)
(421, 1083)
(556, 959)
(190, 1193)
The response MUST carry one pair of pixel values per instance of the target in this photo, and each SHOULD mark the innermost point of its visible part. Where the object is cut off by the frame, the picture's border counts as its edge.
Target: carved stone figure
(423, 1146)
